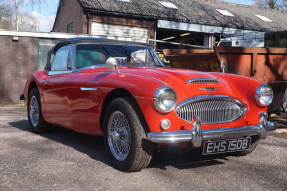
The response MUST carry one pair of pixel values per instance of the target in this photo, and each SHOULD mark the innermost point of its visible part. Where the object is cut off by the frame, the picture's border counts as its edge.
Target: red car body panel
(64, 104)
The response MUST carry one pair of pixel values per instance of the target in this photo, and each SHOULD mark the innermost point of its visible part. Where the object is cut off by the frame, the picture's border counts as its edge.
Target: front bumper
(197, 135)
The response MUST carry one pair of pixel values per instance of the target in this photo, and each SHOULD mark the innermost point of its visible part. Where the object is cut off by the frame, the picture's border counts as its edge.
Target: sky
(47, 12)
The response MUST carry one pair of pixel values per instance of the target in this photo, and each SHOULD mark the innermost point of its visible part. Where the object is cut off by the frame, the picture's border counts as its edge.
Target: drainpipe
(88, 22)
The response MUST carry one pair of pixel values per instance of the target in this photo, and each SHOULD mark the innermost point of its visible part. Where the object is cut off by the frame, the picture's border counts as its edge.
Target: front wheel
(125, 139)
(34, 110)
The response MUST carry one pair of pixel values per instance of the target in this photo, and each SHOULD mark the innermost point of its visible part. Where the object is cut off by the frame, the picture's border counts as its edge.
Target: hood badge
(208, 89)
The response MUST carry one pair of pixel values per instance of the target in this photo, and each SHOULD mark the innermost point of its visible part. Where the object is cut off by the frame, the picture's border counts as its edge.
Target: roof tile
(201, 11)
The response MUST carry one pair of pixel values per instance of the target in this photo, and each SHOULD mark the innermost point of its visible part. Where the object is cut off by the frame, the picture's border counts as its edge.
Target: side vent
(201, 80)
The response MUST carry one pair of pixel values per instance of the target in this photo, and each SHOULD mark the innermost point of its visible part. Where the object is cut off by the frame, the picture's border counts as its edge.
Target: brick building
(195, 22)
(17, 60)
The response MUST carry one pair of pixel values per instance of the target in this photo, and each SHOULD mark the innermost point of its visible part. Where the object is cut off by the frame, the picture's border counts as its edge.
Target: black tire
(254, 143)
(125, 138)
(34, 111)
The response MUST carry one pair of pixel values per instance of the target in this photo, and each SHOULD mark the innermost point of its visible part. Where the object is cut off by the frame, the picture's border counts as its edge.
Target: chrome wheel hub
(119, 136)
(34, 111)
(115, 136)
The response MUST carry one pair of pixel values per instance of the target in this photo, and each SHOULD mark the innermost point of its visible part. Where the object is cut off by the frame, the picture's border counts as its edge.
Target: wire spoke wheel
(119, 136)
(34, 111)
(124, 136)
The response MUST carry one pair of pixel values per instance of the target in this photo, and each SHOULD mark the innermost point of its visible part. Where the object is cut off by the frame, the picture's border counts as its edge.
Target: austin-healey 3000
(122, 91)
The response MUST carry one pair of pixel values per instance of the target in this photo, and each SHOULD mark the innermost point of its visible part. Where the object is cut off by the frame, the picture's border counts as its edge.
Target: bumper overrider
(197, 135)
(21, 97)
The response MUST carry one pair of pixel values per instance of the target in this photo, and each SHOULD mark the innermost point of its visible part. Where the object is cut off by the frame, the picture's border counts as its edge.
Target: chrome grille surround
(201, 80)
(212, 109)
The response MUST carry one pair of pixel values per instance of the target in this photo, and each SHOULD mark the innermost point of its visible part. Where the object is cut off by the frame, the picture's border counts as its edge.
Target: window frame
(69, 62)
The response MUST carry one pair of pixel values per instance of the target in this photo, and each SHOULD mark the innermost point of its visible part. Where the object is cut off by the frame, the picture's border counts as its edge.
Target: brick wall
(69, 12)
(17, 62)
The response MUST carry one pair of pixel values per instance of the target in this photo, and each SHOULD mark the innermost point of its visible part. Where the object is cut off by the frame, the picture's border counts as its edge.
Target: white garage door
(137, 34)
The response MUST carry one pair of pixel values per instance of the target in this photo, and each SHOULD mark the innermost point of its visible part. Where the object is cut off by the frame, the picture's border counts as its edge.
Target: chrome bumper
(197, 134)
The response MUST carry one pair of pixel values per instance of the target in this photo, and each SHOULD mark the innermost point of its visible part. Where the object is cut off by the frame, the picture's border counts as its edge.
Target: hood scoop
(201, 80)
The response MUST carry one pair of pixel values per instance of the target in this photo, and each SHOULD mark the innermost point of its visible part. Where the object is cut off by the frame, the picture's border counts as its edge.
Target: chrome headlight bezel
(162, 95)
(264, 95)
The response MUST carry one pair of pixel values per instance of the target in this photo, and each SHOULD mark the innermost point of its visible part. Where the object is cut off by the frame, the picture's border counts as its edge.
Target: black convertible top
(66, 42)
(96, 40)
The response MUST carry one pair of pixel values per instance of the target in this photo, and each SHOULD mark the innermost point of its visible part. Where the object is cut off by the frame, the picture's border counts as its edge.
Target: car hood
(179, 76)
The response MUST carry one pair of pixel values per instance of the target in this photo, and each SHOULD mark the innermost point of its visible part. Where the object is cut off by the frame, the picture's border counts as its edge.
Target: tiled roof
(196, 11)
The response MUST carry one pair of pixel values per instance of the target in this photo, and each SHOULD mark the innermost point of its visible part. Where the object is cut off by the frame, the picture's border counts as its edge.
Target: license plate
(224, 146)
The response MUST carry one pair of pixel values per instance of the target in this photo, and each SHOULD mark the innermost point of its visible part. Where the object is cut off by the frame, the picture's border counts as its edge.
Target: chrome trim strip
(197, 135)
(207, 97)
(88, 89)
(201, 80)
(208, 134)
(90, 67)
(59, 72)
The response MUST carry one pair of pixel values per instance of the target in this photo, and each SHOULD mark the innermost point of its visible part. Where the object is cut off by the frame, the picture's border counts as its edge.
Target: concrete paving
(66, 160)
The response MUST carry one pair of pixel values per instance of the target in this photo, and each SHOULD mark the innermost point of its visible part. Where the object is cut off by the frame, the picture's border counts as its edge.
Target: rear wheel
(253, 145)
(34, 110)
(124, 136)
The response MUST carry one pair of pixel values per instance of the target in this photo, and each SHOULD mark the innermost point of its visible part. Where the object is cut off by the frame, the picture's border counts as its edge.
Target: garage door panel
(138, 34)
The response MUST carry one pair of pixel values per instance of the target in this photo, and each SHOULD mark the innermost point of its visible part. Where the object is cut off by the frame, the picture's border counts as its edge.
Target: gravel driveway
(65, 160)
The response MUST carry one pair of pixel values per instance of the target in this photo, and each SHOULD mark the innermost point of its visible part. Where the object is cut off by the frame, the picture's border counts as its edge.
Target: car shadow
(93, 146)
(189, 160)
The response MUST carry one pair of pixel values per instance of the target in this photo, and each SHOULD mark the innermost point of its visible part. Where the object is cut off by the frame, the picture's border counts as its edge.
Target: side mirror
(223, 66)
(111, 63)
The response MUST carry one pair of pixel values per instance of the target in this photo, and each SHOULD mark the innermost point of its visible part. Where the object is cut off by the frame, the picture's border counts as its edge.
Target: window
(225, 13)
(45, 45)
(86, 55)
(168, 5)
(264, 18)
(70, 28)
(95, 55)
(224, 43)
(125, 1)
(60, 62)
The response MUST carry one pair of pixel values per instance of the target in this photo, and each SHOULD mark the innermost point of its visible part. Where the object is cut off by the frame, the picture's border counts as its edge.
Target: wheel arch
(29, 86)
(32, 85)
(122, 93)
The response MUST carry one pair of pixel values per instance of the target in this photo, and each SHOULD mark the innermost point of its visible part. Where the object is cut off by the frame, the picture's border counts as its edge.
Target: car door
(54, 90)
(83, 92)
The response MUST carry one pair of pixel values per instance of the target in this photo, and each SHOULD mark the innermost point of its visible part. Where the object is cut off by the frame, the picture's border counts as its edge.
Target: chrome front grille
(212, 109)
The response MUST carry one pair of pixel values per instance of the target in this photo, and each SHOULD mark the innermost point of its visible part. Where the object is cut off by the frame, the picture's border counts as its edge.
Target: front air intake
(212, 109)
(202, 80)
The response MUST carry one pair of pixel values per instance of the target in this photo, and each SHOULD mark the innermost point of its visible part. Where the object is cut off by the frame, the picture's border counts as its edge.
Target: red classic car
(122, 91)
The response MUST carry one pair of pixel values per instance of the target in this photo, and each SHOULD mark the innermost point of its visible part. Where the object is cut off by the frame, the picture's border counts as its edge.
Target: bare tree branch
(271, 4)
(21, 19)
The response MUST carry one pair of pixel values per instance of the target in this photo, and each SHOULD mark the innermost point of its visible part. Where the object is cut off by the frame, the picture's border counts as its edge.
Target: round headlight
(264, 95)
(165, 99)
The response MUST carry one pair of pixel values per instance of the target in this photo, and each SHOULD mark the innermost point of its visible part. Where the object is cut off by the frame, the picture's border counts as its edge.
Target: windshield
(96, 55)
